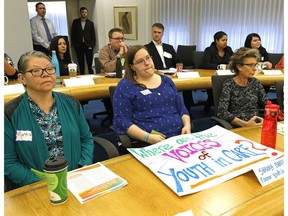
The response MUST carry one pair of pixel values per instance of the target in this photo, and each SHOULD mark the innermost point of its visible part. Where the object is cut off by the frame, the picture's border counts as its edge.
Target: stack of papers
(93, 181)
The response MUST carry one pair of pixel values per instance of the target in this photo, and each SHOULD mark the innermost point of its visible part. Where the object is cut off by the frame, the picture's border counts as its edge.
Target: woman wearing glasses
(42, 123)
(242, 95)
(146, 104)
(116, 46)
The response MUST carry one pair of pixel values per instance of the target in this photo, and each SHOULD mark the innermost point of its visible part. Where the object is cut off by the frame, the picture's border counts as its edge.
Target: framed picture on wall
(125, 17)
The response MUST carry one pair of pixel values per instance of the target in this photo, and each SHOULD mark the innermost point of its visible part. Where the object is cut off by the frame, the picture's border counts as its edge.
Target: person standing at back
(163, 55)
(42, 30)
(83, 40)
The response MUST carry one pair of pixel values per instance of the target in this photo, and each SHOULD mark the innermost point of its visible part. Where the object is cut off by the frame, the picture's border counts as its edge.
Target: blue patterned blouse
(50, 126)
(159, 109)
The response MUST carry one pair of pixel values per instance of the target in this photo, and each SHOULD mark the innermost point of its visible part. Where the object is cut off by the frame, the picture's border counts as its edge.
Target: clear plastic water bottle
(118, 67)
(269, 127)
(55, 63)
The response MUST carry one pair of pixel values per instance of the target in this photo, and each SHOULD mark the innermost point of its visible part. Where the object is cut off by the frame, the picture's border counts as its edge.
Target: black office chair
(185, 56)
(275, 58)
(217, 83)
(98, 71)
(97, 63)
(124, 139)
(280, 94)
(197, 56)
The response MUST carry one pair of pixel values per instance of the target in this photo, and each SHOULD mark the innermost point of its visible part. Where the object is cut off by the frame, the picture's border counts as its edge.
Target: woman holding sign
(147, 106)
(242, 95)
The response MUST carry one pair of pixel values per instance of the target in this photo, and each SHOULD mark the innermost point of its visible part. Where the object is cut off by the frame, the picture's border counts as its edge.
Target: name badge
(167, 55)
(146, 92)
(23, 135)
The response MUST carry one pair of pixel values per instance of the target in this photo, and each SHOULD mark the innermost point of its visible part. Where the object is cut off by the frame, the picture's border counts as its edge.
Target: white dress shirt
(160, 50)
(39, 36)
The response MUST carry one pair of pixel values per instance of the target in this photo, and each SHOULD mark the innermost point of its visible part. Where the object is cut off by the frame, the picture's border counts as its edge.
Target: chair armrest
(124, 139)
(110, 149)
(222, 123)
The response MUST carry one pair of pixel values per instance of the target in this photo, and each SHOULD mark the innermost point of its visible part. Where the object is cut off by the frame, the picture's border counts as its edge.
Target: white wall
(17, 33)
(104, 20)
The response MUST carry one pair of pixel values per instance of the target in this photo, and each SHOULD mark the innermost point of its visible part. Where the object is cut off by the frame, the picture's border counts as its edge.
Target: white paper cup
(221, 67)
(72, 68)
(6, 80)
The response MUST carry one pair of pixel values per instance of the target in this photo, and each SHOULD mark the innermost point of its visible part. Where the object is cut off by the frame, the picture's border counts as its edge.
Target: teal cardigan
(20, 154)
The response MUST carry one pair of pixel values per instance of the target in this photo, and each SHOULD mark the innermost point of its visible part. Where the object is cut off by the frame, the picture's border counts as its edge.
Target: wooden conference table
(145, 194)
(101, 88)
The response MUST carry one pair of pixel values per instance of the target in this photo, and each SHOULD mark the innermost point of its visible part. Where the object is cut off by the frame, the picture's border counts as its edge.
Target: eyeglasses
(39, 71)
(143, 60)
(252, 65)
(118, 39)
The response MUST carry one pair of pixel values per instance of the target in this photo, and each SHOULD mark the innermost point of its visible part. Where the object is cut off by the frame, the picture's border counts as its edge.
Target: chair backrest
(110, 149)
(280, 94)
(185, 56)
(97, 64)
(197, 56)
(275, 58)
(217, 83)
(111, 93)
(124, 138)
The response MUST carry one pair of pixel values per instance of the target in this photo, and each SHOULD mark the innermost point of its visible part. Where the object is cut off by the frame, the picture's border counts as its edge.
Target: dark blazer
(211, 59)
(88, 33)
(170, 62)
(264, 54)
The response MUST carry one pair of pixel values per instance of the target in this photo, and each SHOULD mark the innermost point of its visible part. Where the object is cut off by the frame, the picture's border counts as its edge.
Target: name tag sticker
(22, 135)
(146, 92)
(269, 171)
(167, 55)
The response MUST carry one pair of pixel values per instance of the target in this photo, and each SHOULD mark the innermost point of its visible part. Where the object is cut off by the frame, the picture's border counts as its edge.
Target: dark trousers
(81, 51)
(188, 99)
(41, 49)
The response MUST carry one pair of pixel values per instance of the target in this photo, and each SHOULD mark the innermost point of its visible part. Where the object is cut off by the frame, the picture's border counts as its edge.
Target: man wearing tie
(42, 30)
(83, 40)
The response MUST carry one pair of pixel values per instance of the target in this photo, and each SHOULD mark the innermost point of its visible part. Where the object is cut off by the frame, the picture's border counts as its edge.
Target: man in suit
(164, 55)
(42, 30)
(83, 40)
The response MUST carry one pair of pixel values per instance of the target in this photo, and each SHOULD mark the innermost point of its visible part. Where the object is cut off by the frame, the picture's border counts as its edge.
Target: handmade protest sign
(193, 162)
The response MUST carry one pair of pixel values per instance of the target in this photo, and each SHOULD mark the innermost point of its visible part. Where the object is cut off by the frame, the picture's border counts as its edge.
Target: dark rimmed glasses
(39, 71)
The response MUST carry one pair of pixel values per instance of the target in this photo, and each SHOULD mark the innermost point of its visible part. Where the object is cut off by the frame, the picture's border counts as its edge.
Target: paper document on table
(224, 72)
(280, 128)
(185, 75)
(272, 72)
(171, 71)
(93, 181)
(79, 81)
(13, 89)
